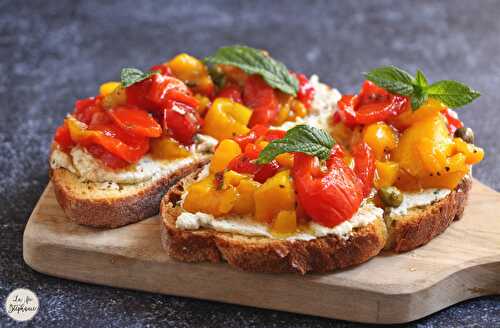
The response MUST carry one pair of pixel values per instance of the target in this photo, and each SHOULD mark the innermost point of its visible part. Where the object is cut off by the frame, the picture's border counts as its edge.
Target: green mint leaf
(301, 138)
(452, 93)
(392, 79)
(420, 79)
(254, 61)
(417, 100)
(130, 76)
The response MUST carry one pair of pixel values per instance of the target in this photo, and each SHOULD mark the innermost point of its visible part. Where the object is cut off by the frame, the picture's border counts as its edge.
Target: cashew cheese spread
(244, 225)
(418, 199)
(85, 166)
(323, 106)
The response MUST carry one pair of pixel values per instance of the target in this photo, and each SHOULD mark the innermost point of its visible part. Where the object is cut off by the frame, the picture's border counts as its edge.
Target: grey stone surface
(52, 52)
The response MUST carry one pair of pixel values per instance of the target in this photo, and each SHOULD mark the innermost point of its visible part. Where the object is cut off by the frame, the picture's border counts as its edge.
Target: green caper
(466, 134)
(217, 75)
(391, 196)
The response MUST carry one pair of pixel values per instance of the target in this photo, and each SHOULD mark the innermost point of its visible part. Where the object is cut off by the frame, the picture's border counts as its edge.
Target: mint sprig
(301, 138)
(255, 61)
(451, 93)
(392, 79)
(130, 76)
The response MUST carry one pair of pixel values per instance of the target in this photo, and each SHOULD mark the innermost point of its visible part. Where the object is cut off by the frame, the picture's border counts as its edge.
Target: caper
(217, 75)
(466, 134)
(391, 196)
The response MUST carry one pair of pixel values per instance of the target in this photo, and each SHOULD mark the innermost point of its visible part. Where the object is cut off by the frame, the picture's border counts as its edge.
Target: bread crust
(260, 254)
(116, 209)
(422, 225)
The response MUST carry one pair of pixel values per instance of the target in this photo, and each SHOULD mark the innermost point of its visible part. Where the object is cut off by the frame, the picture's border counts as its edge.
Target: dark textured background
(52, 52)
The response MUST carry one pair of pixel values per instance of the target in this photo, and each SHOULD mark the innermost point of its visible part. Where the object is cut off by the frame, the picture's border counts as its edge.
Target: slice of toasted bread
(261, 254)
(421, 225)
(89, 204)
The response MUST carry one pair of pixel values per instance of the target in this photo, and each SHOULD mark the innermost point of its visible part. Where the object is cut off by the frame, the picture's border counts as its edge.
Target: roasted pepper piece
(110, 137)
(246, 190)
(386, 174)
(167, 148)
(381, 138)
(443, 180)
(204, 196)
(429, 109)
(108, 87)
(192, 72)
(275, 195)
(424, 147)
(285, 223)
(116, 97)
(232, 178)
(226, 119)
(135, 121)
(225, 152)
(63, 138)
(285, 160)
(472, 153)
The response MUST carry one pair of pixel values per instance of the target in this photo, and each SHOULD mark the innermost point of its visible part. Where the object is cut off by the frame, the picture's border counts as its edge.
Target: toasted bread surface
(260, 254)
(421, 225)
(89, 204)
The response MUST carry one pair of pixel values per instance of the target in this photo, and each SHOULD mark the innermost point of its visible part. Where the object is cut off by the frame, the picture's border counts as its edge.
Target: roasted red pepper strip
(137, 92)
(352, 113)
(381, 111)
(364, 165)
(346, 106)
(231, 91)
(274, 134)
(373, 104)
(118, 142)
(266, 171)
(256, 132)
(135, 121)
(245, 163)
(306, 90)
(86, 108)
(161, 85)
(371, 93)
(63, 138)
(176, 95)
(110, 160)
(329, 196)
(181, 121)
(111, 137)
(260, 97)
(162, 68)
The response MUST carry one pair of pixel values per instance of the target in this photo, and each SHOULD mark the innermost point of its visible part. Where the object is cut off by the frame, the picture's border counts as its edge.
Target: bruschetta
(390, 168)
(117, 153)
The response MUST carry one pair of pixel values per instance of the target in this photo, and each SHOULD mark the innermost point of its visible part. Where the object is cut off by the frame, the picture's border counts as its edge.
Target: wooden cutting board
(462, 263)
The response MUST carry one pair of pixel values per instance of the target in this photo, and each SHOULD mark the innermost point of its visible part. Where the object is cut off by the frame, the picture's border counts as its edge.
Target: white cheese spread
(418, 199)
(60, 159)
(244, 225)
(323, 106)
(84, 165)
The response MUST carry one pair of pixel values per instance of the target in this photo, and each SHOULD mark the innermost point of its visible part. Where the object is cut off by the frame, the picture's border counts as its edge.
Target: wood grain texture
(462, 263)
